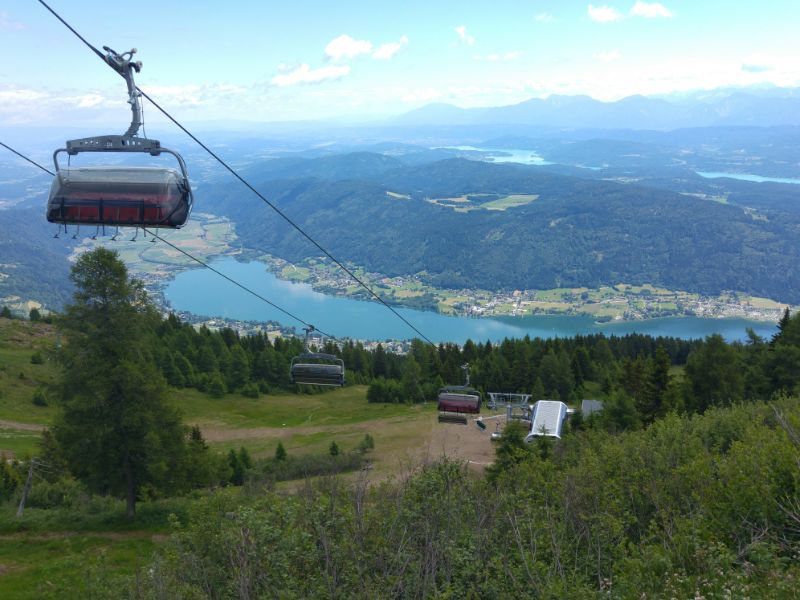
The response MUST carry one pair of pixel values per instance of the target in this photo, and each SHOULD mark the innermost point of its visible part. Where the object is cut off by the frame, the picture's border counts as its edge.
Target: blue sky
(302, 60)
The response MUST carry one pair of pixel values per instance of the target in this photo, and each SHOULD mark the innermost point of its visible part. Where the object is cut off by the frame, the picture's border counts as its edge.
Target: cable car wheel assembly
(120, 196)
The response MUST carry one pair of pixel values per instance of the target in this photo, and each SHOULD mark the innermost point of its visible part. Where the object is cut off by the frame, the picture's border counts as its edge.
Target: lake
(202, 292)
(747, 177)
(504, 155)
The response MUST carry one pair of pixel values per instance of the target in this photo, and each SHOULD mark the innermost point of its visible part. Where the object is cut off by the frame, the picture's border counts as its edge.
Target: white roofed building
(547, 419)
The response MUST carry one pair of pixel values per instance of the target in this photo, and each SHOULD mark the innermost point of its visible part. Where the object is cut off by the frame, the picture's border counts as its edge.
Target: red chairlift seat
(459, 400)
(121, 196)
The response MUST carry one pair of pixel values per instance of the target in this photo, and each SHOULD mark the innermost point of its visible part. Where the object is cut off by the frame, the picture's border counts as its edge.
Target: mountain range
(779, 106)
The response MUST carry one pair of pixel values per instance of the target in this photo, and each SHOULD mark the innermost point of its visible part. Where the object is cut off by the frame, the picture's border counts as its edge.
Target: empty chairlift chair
(316, 368)
(457, 401)
(118, 195)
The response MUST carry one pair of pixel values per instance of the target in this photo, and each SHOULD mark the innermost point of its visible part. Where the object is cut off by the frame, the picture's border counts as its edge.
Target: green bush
(250, 390)
(65, 492)
(365, 445)
(310, 465)
(216, 386)
(39, 398)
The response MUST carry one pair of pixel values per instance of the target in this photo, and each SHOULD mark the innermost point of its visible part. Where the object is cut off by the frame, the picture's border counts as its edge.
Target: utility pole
(26, 489)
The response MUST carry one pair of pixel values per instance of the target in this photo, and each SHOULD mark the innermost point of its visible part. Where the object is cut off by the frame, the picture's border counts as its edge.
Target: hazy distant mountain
(777, 106)
(355, 165)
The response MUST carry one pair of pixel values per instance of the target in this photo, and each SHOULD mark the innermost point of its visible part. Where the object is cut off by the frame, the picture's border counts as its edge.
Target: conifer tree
(280, 452)
(116, 430)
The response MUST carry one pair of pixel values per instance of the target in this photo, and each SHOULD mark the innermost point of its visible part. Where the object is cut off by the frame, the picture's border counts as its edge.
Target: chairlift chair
(456, 401)
(114, 195)
(316, 368)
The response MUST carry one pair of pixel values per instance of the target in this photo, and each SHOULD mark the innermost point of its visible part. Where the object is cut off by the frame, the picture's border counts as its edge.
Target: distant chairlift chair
(457, 401)
(315, 368)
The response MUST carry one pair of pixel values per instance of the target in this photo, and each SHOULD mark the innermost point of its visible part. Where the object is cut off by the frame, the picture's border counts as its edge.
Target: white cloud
(465, 38)
(346, 47)
(757, 63)
(387, 51)
(9, 24)
(17, 95)
(608, 56)
(90, 100)
(603, 14)
(421, 95)
(544, 17)
(194, 95)
(499, 57)
(650, 10)
(305, 74)
(755, 68)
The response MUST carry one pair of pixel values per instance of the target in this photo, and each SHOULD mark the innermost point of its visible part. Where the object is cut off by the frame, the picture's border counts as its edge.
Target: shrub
(250, 390)
(311, 465)
(39, 398)
(216, 387)
(280, 452)
(37, 358)
(365, 445)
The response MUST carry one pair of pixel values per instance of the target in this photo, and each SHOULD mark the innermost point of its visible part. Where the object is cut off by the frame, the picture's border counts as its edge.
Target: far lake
(504, 155)
(202, 292)
(748, 177)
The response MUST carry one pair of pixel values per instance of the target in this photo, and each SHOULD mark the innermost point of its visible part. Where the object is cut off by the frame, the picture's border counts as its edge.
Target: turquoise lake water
(505, 155)
(202, 292)
(747, 177)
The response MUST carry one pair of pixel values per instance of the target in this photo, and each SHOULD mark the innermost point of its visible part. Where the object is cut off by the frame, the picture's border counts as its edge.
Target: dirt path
(213, 433)
(21, 426)
(462, 442)
(106, 535)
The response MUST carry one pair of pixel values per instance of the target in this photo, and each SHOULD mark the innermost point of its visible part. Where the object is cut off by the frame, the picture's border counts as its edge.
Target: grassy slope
(66, 566)
(304, 423)
(50, 554)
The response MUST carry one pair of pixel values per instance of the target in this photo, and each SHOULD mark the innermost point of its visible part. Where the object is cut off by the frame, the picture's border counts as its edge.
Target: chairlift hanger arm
(123, 65)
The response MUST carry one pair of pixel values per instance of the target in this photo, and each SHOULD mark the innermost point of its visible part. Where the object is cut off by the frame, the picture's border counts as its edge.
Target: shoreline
(620, 303)
(214, 237)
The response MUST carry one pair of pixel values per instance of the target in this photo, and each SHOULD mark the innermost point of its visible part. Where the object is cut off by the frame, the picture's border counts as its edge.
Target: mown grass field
(68, 565)
(304, 423)
(69, 554)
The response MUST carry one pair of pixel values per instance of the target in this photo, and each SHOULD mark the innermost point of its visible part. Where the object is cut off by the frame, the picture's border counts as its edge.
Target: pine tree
(280, 452)
(237, 469)
(116, 429)
(244, 458)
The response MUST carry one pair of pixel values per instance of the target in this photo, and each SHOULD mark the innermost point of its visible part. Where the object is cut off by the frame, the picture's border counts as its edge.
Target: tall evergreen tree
(715, 375)
(116, 430)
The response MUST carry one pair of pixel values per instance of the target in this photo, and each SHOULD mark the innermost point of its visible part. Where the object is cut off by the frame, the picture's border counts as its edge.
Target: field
(303, 423)
(204, 236)
(53, 554)
(469, 202)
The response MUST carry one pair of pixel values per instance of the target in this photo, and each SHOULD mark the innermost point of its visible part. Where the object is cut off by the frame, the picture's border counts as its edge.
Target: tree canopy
(116, 430)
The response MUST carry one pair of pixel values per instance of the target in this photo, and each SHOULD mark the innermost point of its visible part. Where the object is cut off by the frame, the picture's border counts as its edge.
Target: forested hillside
(577, 232)
(36, 265)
